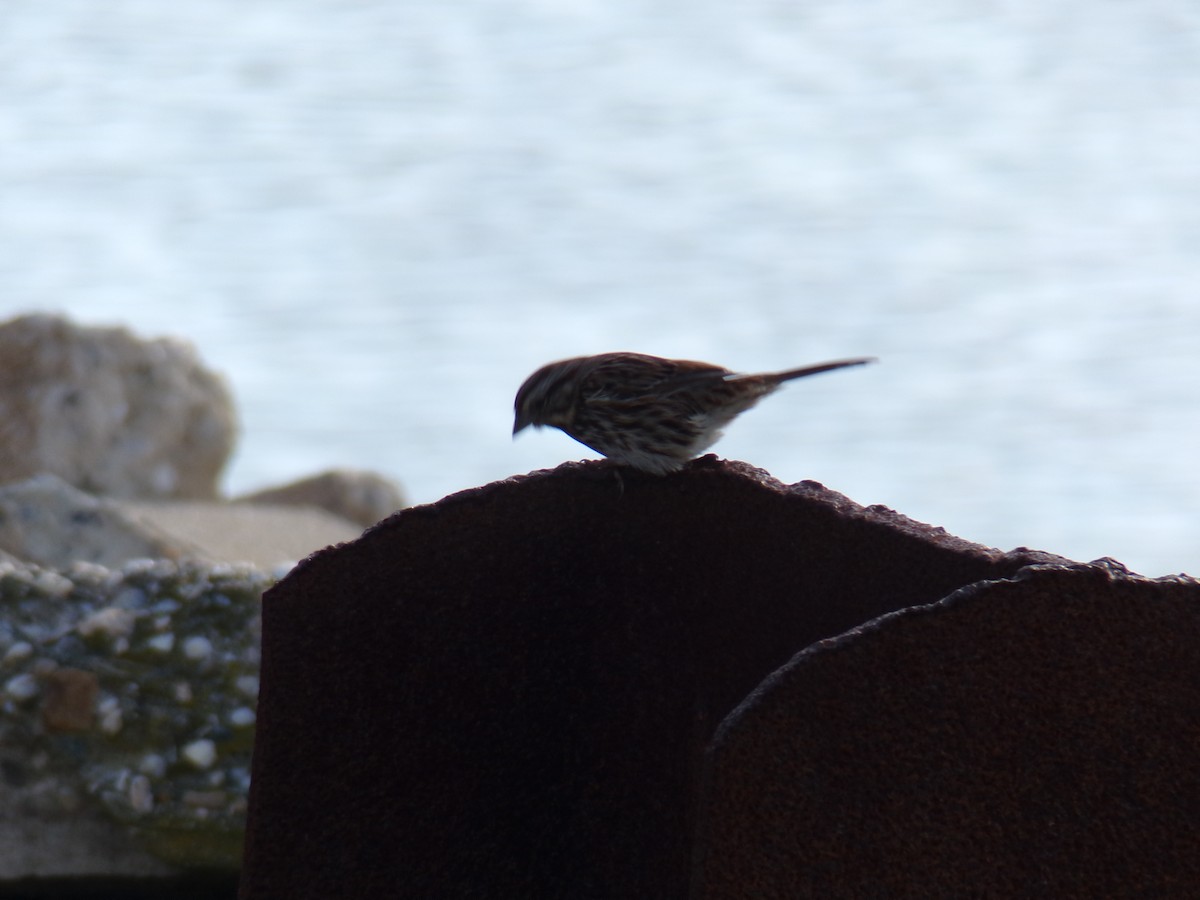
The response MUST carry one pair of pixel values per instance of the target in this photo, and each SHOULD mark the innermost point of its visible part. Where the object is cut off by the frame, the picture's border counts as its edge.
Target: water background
(377, 217)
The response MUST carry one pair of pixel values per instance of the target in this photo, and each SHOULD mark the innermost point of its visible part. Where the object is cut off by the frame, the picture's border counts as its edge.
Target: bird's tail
(788, 375)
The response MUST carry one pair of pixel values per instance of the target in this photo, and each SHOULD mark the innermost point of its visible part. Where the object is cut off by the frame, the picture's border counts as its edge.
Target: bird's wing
(632, 376)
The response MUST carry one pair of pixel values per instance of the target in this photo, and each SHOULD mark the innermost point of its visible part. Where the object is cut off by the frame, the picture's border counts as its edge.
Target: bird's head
(548, 396)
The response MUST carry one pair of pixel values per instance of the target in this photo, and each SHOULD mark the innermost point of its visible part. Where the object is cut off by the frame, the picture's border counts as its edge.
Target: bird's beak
(519, 423)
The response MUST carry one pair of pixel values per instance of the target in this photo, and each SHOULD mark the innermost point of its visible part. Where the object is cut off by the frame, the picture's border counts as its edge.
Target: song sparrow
(644, 411)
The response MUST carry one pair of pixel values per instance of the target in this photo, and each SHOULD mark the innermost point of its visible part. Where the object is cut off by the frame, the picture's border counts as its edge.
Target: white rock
(81, 572)
(21, 687)
(18, 652)
(247, 685)
(201, 754)
(150, 567)
(197, 648)
(109, 718)
(53, 584)
(110, 621)
(162, 643)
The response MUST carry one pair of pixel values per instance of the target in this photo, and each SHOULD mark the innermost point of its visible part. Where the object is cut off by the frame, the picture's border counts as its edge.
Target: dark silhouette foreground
(515, 692)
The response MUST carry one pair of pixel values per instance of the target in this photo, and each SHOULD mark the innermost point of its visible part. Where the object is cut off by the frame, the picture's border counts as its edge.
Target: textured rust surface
(1033, 737)
(509, 693)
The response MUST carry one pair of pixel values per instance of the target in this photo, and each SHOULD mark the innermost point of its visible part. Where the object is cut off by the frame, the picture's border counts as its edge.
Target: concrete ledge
(266, 536)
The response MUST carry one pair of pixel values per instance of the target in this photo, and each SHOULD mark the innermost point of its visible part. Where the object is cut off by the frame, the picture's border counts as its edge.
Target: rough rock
(46, 521)
(1031, 736)
(361, 497)
(509, 693)
(110, 413)
(51, 524)
(127, 700)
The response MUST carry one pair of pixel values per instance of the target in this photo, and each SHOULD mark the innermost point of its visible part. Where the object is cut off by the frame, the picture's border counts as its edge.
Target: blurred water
(377, 217)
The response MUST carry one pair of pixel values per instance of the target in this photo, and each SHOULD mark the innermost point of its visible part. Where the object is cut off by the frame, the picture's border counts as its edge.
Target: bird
(643, 411)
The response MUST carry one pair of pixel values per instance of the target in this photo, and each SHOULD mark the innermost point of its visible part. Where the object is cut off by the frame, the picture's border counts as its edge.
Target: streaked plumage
(645, 411)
